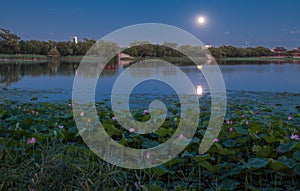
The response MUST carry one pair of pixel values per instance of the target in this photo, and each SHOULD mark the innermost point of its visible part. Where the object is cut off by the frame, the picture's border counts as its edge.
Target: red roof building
(296, 52)
(280, 51)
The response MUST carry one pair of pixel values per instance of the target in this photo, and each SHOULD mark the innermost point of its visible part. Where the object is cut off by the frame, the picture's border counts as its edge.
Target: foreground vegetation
(257, 149)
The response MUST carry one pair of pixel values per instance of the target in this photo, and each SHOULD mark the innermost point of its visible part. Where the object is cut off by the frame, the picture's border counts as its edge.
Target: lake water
(54, 80)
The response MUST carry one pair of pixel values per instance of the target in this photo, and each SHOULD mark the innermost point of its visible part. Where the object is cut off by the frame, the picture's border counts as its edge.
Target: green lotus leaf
(262, 151)
(296, 155)
(277, 165)
(256, 163)
(229, 184)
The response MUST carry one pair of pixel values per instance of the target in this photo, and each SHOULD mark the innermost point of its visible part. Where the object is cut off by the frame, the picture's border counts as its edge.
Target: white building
(208, 46)
(75, 39)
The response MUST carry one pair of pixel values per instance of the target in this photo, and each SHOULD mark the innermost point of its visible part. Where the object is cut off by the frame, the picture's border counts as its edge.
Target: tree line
(231, 51)
(12, 44)
(173, 50)
(167, 49)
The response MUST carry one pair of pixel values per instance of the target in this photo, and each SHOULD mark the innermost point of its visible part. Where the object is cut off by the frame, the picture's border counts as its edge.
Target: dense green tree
(34, 47)
(53, 52)
(104, 48)
(158, 51)
(217, 52)
(141, 48)
(172, 45)
(262, 51)
(82, 47)
(144, 48)
(65, 48)
(170, 48)
(9, 42)
(231, 51)
(194, 51)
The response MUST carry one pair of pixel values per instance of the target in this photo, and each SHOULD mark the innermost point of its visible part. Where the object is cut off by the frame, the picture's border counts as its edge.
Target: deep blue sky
(262, 22)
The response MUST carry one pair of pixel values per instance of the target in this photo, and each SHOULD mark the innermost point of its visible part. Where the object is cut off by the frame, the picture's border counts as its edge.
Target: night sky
(232, 22)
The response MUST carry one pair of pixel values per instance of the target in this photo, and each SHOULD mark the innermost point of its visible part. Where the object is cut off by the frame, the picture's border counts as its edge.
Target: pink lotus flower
(32, 112)
(131, 130)
(289, 118)
(243, 116)
(146, 112)
(31, 141)
(279, 150)
(230, 129)
(216, 140)
(19, 107)
(228, 122)
(70, 105)
(82, 113)
(247, 122)
(295, 137)
(148, 155)
(180, 137)
(114, 118)
(60, 126)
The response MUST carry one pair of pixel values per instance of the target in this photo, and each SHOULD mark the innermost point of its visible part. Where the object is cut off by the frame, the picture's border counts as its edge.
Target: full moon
(201, 20)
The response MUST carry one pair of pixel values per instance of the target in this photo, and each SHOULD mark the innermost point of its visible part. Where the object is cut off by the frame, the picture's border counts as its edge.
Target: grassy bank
(186, 59)
(32, 57)
(180, 60)
(271, 59)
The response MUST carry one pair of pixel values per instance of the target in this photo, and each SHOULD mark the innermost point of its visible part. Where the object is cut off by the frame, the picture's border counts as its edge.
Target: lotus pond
(258, 147)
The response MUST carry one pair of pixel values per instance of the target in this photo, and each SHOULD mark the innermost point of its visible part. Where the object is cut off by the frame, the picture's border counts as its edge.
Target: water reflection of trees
(89, 69)
(9, 74)
(13, 72)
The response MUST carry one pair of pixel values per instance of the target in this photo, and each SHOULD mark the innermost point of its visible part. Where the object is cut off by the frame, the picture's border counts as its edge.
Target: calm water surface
(57, 77)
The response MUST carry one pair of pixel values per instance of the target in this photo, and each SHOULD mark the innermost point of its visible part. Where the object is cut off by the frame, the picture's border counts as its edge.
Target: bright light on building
(208, 46)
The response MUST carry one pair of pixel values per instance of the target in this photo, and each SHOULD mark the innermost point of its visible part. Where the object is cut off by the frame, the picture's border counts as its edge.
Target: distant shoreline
(43, 58)
(271, 58)
(31, 57)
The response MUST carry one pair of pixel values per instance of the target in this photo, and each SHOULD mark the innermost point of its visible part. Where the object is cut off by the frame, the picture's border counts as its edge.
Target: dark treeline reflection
(13, 72)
